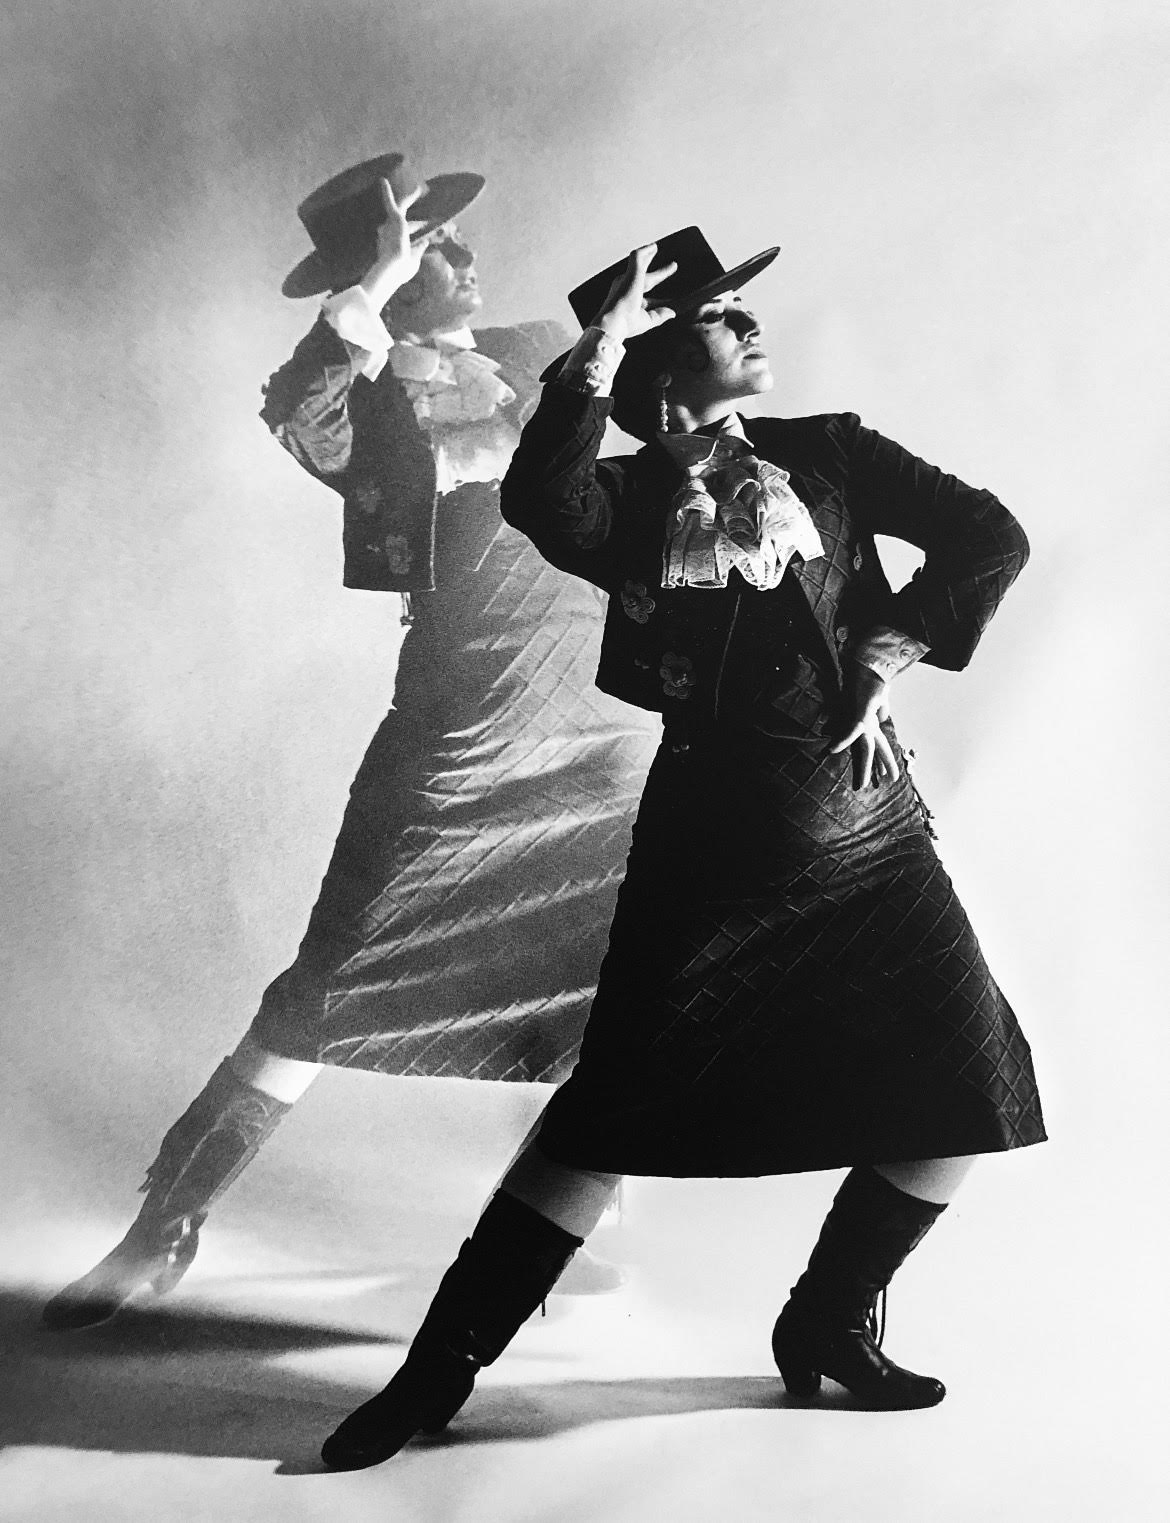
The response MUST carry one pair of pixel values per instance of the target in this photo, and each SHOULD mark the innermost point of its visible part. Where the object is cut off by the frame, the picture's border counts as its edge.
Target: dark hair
(636, 398)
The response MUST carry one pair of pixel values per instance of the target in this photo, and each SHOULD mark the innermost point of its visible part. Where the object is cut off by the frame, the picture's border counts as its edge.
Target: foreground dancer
(791, 983)
(463, 914)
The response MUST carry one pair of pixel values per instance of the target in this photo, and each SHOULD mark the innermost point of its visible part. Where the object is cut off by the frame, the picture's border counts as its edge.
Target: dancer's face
(445, 292)
(721, 359)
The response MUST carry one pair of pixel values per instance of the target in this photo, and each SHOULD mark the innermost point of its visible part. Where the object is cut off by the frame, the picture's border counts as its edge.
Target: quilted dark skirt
(791, 982)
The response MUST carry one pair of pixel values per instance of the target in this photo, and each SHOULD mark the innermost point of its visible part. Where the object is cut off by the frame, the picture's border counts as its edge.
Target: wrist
(355, 317)
(868, 680)
(592, 363)
(382, 280)
(612, 326)
(887, 651)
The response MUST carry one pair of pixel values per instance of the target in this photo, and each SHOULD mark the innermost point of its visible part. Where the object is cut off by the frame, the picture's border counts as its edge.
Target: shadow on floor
(514, 1414)
(193, 1381)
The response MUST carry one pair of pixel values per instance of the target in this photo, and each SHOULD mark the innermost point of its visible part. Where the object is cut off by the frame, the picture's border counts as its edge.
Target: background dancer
(464, 910)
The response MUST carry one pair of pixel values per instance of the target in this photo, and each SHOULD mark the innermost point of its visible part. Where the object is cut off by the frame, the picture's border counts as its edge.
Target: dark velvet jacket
(362, 438)
(606, 521)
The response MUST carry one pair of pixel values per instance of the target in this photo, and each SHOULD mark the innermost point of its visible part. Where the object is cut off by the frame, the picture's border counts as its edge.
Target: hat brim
(445, 197)
(730, 280)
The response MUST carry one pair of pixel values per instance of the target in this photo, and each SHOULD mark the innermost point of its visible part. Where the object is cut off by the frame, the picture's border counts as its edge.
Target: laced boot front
(829, 1325)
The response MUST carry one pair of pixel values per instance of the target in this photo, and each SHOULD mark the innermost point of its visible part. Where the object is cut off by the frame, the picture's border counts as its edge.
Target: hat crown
(698, 267)
(700, 276)
(339, 196)
(343, 216)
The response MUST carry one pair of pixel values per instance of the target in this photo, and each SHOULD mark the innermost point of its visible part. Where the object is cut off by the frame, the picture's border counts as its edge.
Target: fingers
(656, 316)
(872, 755)
(847, 740)
(391, 202)
(639, 276)
(636, 277)
(863, 751)
(886, 757)
(633, 277)
(656, 277)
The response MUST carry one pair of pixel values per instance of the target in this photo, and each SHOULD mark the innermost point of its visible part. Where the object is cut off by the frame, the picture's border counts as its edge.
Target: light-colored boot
(211, 1143)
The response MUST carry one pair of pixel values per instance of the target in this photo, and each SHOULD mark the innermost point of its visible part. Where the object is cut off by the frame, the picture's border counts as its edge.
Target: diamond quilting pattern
(464, 915)
(837, 1009)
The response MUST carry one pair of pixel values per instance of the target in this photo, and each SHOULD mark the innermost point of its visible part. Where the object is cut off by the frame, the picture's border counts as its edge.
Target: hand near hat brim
(626, 312)
(343, 217)
(401, 245)
(690, 273)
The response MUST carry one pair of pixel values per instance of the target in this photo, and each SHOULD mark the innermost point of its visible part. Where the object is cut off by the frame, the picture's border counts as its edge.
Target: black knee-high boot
(215, 1138)
(829, 1326)
(501, 1275)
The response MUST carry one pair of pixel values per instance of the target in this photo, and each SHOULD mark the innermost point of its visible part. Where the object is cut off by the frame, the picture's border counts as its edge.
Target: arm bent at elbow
(555, 491)
(974, 548)
(306, 402)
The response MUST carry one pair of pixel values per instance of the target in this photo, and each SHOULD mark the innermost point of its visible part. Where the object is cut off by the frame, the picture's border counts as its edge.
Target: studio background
(972, 207)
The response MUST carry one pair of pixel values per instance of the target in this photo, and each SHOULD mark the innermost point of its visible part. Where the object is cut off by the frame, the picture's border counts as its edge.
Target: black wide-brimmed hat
(700, 277)
(342, 218)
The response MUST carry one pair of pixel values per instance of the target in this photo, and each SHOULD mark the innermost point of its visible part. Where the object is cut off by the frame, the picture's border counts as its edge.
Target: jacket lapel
(823, 579)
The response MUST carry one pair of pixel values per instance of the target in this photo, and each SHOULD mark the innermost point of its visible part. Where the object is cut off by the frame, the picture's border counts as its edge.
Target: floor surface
(655, 1403)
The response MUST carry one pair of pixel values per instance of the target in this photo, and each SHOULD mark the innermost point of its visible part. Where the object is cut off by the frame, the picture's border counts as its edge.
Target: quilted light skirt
(791, 982)
(463, 916)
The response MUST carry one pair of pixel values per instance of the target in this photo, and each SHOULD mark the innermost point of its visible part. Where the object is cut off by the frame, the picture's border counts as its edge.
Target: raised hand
(398, 258)
(866, 699)
(625, 312)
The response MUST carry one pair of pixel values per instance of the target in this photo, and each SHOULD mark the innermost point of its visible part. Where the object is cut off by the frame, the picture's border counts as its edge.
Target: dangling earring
(663, 410)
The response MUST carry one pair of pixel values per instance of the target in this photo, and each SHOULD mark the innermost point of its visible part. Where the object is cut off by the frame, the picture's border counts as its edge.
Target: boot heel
(799, 1380)
(797, 1371)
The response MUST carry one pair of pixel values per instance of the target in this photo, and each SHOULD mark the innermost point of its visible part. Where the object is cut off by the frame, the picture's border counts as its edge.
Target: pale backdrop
(971, 202)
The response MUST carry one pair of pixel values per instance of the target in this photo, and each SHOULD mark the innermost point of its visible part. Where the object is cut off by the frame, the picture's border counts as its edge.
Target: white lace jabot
(733, 511)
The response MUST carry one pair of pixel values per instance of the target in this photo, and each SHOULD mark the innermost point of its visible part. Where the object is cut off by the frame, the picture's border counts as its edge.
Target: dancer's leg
(285, 1079)
(932, 1179)
(572, 1198)
(529, 1230)
(586, 1273)
(502, 1274)
(828, 1326)
(207, 1148)
(250, 1092)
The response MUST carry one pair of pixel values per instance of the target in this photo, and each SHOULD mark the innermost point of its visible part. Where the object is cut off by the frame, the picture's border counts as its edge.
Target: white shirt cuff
(593, 363)
(887, 651)
(352, 316)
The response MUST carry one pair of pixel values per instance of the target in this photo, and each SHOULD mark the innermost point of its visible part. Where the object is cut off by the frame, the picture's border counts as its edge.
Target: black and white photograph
(582, 860)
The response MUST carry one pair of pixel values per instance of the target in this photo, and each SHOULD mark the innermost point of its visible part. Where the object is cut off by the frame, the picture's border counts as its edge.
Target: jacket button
(842, 633)
(680, 746)
(643, 666)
